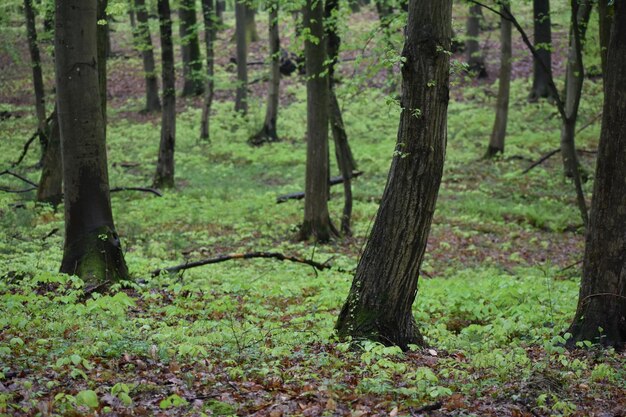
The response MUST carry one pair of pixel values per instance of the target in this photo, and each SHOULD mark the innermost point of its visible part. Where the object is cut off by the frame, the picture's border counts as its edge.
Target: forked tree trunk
(210, 22)
(50, 188)
(144, 44)
(241, 98)
(164, 177)
(385, 285)
(474, 55)
(316, 223)
(92, 248)
(498, 134)
(190, 46)
(543, 44)
(103, 46)
(601, 312)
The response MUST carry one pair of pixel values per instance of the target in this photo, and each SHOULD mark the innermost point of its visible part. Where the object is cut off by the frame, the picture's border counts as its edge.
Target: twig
(144, 189)
(571, 266)
(18, 176)
(541, 160)
(8, 190)
(300, 194)
(29, 141)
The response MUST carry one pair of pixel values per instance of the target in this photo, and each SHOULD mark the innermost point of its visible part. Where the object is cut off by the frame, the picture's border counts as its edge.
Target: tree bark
(474, 55)
(385, 285)
(241, 99)
(252, 35)
(220, 8)
(50, 189)
(103, 46)
(601, 312)
(498, 134)
(190, 46)
(164, 177)
(210, 22)
(144, 44)
(316, 223)
(92, 247)
(543, 44)
(35, 59)
(605, 19)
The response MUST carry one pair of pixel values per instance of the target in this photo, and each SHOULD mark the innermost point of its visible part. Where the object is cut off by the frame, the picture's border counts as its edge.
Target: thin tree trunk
(131, 16)
(92, 247)
(252, 35)
(543, 44)
(241, 99)
(164, 177)
(498, 134)
(50, 189)
(210, 22)
(385, 285)
(601, 313)
(220, 8)
(192, 65)
(474, 55)
(40, 100)
(144, 44)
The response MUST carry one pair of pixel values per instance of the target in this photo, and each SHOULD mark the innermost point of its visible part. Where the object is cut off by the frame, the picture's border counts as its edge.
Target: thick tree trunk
(498, 134)
(605, 19)
(385, 285)
(190, 46)
(50, 189)
(241, 98)
(164, 177)
(210, 22)
(103, 46)
(144, 44)
(316, 223)
(35, 59)
(92, 248)
(474, 55)
(543, 44)
(268, 131)
(601, 312)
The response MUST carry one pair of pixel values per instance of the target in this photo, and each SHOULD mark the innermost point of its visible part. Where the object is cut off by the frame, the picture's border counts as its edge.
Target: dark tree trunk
(316, 223)
(210, 22)
(144, 44)
(602, 300)
(252, 35)
(385, 285)
(131, 16)
(103, 35)
(498, 134)
(241, 99)
(192, 65)
(164, 177)
(268, 131)
(474, 55)
(92, 248)
(606, 22)
(50, 189)
(40, 101)
(543, 44)
(220, 8)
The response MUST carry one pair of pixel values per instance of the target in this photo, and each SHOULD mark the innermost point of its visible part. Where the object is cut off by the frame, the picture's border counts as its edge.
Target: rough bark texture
(144, 44)
(543, 44)
(50, 188)
(316, 223)
(474, 55)
(35, 59)
(605, 18)
(92, 248)
(498, 133)
(210, 22)
(241, 99)
(190, 47)
(164, 177)
(602, 300)
(103, 53)
(385, 285)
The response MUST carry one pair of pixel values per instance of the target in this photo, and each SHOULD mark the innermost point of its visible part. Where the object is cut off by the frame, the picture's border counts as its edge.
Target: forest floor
(255, 337)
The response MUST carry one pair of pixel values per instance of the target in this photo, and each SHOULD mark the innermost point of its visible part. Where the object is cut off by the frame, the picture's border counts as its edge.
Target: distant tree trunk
(252, 35)
(498, 134)
(144, 44)
(50, 189)
(220, 8)
(241, 99)
(164, 177)
(92, 247)
(601, 312)
(316, 223)
(268, 131)
(606, 22)
(131, 16)
(385, 285)
(474, 55)
(385, 16)
(543, 44)
(210, 21)
(40, 100)
(103, 46)
(190, 46)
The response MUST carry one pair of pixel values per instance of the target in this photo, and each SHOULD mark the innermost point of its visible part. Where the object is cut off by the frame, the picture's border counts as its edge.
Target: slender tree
(164, 177)
(601, 312)
(144, 44)
(385, 285)
(210, 23)
(92, 247)
(543, 45)
(190, 46)
(241, 99)
(474, 55)
(252, 35)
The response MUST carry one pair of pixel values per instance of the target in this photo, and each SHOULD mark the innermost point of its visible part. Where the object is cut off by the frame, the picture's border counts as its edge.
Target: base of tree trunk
(321, 231)
(267, 134)
(492, 152)
(478, 69)
(586, 328)
(540, 92)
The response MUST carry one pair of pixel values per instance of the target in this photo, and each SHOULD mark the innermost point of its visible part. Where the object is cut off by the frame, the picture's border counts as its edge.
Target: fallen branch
(426, 408)
(250, 255)
(300, 195)
(143, 189)
(541, 160)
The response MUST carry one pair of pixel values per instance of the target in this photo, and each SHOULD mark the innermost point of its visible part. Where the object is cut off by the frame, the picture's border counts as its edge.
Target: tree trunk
(543, 44)
(144, 44)
(316, 223)
(192, 65)
(164, 177)
(241, 99)
(498, 134)
(268, 131)
(103, 46)
(131, 16)
(92, 248)
(210, 21)
(252, 35)
(474, 55)
(50, 189)
(601, 312)
(385, 285)
(605, 19)
(220, 8)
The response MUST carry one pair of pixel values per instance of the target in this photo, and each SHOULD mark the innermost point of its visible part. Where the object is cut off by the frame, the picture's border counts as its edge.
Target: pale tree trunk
(92, 247)
(50, 188)
(498, 134)
(474, 55)
(316, 223)
(251, 33)
(210, 21)
(543, 44)
(241, 98)
(164, 177)
(385, 285)
(190, 47)
(144, 44)
(601, 313)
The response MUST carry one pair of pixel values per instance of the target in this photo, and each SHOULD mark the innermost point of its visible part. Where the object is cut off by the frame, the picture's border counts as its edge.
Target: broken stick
(300, 195)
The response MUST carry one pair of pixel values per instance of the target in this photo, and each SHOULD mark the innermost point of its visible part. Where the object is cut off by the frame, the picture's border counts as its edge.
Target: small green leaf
(88, 398)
